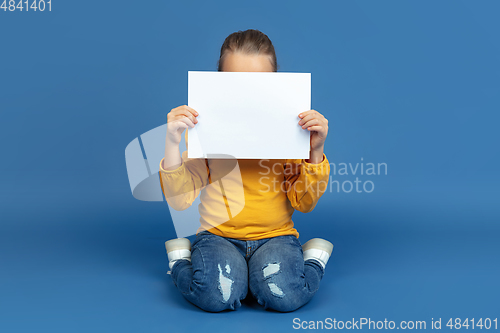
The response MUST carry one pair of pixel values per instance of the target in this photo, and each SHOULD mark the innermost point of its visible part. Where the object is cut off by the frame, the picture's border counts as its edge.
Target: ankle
(177, 249)
(318, 255)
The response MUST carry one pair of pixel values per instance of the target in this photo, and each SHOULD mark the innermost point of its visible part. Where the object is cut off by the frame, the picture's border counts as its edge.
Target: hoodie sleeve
(306, 182)
(181, 186)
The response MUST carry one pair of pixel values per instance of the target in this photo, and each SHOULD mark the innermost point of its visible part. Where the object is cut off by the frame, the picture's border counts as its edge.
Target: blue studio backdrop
(410, 85)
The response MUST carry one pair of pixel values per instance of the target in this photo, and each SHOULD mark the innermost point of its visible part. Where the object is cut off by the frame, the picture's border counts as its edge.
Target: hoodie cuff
(314, 167)
(178, 170)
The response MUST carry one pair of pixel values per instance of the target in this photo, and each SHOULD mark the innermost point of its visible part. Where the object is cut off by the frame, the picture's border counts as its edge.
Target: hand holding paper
(315, 122)
(178, 119)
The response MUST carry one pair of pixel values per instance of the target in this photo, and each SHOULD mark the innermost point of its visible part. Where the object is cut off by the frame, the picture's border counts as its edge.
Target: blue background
(414, 84)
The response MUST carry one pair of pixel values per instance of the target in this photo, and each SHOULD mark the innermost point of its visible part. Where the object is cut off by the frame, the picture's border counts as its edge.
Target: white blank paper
(250, 115)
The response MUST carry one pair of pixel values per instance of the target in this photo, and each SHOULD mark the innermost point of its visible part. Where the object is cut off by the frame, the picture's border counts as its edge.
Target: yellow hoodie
(246, 199)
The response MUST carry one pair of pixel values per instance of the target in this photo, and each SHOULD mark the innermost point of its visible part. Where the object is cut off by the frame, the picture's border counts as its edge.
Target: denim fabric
(223, 270)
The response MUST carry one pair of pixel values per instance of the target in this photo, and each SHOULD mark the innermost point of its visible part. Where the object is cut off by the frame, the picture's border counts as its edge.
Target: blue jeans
(223, 270)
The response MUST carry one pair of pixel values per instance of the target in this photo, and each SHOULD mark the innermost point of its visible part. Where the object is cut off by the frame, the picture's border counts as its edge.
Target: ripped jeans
(223, 270)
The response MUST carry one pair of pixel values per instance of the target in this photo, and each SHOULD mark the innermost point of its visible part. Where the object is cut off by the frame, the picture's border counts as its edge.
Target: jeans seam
(204, 276)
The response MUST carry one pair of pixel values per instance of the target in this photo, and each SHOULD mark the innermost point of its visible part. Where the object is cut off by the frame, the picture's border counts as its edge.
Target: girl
(258, 249)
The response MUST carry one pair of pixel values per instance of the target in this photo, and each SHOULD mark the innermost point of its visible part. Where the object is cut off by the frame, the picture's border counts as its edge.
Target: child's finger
(185, 107)
(304, 113)
(311, 123)
(315, 128)
(184, 113)
(307, 118)
(180, 124)
(187, 121)
(190, 109)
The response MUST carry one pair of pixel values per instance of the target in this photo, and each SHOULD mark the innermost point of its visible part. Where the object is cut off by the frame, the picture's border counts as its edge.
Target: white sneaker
(179, 248)
(318, 249)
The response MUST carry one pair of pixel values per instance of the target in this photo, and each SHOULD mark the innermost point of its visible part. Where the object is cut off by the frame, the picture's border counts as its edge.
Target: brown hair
(250, 41)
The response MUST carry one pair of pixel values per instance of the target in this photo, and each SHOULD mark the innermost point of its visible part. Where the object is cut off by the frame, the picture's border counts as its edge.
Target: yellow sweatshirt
(246, 199)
